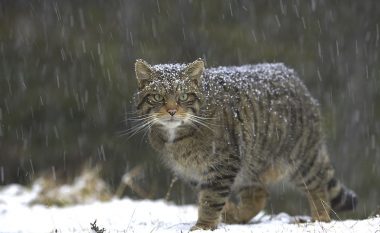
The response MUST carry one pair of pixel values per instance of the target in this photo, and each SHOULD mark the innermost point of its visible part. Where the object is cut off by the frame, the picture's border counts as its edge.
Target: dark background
(67, 80)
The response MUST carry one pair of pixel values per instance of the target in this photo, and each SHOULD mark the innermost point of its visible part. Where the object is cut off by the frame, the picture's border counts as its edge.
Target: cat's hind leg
(252, 201)
(319, 205)
(312, 177)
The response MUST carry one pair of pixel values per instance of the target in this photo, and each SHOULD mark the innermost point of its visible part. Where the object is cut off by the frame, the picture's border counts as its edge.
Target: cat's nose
(172, 112)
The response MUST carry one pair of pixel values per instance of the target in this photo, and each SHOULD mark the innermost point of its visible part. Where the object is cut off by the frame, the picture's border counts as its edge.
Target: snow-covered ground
(17, 215)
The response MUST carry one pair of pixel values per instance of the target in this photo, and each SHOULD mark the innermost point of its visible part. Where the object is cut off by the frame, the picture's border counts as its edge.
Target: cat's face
(169, 95)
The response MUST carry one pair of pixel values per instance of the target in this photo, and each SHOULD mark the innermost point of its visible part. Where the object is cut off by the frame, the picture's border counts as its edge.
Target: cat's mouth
(173, 118)
(172, 122)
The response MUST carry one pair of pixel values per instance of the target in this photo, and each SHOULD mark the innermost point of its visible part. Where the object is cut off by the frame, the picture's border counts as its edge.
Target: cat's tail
(341, 198)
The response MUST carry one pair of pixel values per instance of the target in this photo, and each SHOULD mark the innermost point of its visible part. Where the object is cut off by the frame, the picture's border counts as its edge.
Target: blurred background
(67, 81)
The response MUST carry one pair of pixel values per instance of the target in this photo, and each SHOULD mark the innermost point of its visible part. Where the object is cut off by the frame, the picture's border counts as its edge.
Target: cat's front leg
(212, 198)
(211, 204)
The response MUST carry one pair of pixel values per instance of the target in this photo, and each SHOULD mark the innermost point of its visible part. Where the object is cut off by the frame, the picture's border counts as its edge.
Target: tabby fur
(234, 130)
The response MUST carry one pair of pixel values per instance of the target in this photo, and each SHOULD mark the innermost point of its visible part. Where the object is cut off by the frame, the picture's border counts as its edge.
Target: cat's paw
(203, 226)
(321, 218)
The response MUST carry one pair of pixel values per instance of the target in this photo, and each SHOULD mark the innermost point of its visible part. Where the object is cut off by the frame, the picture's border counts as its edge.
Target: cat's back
(260, 79)
(267, 82)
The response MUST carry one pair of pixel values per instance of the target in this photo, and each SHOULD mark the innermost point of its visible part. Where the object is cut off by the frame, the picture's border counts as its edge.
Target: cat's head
(169, 94)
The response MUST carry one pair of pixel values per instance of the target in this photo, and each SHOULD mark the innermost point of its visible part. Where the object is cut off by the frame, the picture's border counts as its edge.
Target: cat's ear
(143, 72)
(195, 70)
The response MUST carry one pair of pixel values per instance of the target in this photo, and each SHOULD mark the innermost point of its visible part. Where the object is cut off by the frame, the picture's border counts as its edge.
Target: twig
(95, 228)
(170, 188)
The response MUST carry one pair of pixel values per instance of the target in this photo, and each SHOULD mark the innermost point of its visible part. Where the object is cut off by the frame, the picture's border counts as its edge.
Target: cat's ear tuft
(195, 70)
(143, 72)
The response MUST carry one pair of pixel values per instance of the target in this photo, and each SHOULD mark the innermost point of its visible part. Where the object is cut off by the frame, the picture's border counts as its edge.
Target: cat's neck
(171, 131)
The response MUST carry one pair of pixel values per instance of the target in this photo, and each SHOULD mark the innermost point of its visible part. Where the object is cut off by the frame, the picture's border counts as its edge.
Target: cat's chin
(172, 123)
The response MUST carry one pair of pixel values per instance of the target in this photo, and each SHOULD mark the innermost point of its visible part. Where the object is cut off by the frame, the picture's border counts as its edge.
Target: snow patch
(126, 215)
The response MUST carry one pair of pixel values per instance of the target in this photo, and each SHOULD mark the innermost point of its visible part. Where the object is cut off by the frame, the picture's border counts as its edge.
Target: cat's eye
(183, 97)
(158, 97)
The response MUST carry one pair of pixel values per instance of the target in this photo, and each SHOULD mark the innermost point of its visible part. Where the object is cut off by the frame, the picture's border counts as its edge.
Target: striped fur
(234, 130)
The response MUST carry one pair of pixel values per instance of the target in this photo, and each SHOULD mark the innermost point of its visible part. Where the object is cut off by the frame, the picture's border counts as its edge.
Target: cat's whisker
(129, 131)
(192, 124)
(139, 124)
(139, 127)
(205, 124)
(145, 126)
(135, 112)
(141, 119)
(145, 133)
(203, 118)
(133, 118)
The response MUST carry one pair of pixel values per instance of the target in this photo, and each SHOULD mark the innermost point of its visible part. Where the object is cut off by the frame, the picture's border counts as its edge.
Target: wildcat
(234, 130)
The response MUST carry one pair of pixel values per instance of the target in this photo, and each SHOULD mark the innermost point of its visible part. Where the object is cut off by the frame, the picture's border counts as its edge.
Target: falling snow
(67, 81)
